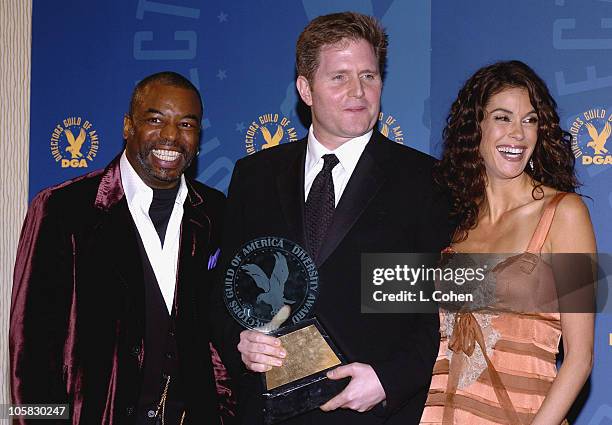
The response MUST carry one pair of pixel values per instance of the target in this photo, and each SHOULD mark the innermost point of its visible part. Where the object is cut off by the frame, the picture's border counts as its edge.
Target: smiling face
(509, 133)
(162, 134)
(344, 94)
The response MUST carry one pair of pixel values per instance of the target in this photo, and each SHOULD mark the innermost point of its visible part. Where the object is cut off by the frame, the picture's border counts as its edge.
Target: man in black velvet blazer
(89, 324)
(384, 202)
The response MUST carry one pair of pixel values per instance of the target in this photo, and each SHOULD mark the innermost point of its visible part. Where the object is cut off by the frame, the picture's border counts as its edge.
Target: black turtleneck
(161, 209)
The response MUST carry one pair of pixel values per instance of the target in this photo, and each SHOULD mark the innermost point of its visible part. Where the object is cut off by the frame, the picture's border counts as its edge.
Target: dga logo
(74, 143)
(268, 131)
(390, 128)
(267, 274)
(590, 133)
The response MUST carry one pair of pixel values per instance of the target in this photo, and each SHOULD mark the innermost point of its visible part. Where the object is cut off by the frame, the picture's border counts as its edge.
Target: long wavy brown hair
(461, 168)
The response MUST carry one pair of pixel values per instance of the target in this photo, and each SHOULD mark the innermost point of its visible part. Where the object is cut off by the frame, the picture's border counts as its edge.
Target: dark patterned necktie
(320, 205)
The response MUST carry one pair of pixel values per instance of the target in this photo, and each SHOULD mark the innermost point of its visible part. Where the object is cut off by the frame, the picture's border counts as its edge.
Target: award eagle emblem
(271, 286)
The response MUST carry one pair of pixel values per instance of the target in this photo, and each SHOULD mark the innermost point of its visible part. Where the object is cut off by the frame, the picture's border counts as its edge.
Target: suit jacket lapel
(365, 181)
(122, 248)
(195, 235)
(290, 184)
(118, 234)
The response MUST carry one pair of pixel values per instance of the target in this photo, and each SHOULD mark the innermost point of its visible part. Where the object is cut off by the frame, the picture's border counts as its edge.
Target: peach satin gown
(496, 368)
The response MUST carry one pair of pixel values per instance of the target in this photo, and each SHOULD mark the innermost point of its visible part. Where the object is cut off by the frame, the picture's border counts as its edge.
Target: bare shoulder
(571, 209)
(571, 229)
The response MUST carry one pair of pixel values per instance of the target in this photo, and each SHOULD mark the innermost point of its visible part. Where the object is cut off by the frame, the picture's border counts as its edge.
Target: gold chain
(161, 406)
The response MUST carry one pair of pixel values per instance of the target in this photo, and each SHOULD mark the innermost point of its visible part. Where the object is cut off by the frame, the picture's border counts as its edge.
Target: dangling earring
(531, 164)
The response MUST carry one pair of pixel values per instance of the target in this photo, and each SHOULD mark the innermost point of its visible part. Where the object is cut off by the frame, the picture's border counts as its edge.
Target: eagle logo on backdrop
(390, 128)
(267, 131)
(590, 133)
(599, 140)
(74, 143)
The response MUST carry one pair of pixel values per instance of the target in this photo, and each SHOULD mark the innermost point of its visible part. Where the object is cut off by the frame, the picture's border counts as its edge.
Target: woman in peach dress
(510, 171)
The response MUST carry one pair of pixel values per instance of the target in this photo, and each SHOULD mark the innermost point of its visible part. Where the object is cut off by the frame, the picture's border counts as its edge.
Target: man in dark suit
(113, 274)
(342, 191)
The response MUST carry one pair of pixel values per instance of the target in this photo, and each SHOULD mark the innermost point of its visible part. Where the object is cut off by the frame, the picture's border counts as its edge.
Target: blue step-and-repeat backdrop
(87, 56)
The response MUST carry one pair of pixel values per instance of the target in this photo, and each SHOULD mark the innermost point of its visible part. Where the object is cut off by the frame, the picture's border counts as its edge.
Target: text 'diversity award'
(271, 285)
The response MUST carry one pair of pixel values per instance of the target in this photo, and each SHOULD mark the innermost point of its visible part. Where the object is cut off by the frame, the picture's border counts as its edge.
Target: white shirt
(348, 154)
(163, 259)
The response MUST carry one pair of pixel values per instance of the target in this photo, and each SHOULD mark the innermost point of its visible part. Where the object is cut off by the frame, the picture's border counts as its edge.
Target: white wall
(15, 42)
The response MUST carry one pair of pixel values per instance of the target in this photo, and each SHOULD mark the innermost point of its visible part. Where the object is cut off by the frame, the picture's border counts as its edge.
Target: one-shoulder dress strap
(539, 236)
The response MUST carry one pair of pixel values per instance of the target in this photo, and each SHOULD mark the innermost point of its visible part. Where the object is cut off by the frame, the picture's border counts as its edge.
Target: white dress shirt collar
(133, 186)
(348, 153)
(164, 258)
